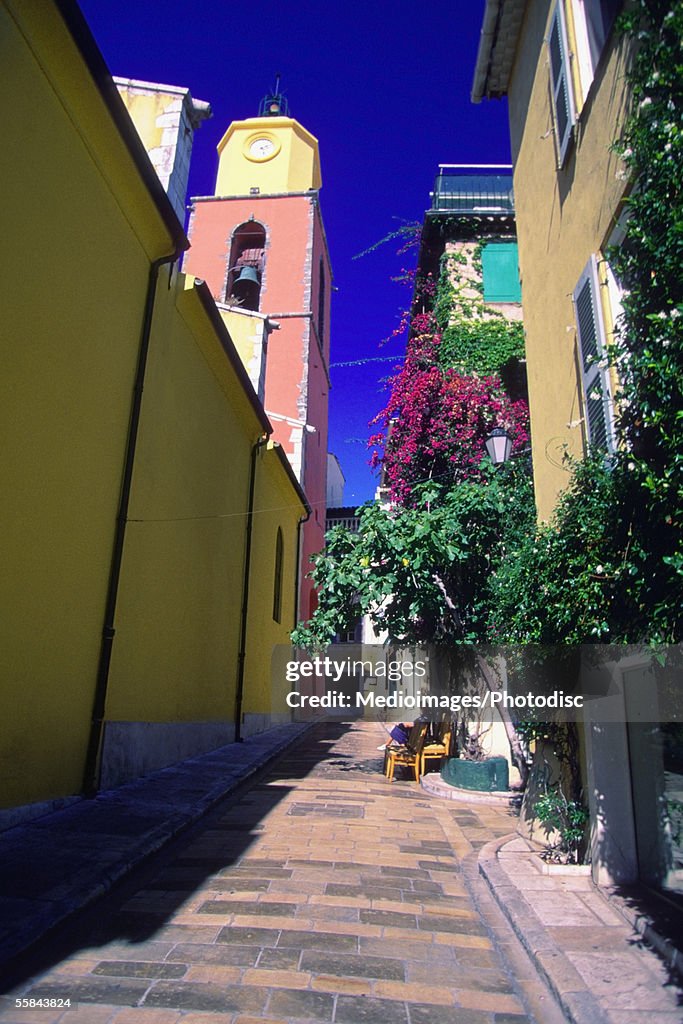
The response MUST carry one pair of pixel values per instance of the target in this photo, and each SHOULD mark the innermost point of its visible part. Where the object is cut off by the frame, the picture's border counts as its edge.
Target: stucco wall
(69, 357)
(563, 216)
(80, 234)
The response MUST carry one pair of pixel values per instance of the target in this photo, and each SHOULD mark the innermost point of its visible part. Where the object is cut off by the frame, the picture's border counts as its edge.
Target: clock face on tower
(261, 147)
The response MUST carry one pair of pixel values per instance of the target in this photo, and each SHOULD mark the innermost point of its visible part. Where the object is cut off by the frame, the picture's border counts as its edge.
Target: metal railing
(476, 189)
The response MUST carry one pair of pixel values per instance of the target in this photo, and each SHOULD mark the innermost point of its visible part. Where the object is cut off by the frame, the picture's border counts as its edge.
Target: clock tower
(260, 245)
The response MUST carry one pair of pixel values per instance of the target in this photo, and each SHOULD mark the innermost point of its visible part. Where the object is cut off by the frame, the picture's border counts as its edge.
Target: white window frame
(591, 334)
(561, 84)
(583, 52)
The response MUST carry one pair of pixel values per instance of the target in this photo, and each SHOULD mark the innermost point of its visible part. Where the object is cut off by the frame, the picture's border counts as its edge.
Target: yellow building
(562, 65)
(145, 517)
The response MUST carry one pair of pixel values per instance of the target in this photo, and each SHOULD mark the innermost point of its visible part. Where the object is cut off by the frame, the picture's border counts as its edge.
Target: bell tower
(268, 154)
(260, 245)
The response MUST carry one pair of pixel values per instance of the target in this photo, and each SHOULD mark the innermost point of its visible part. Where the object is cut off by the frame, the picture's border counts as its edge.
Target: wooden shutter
(500, 273)
(590, 325)
(564, 109)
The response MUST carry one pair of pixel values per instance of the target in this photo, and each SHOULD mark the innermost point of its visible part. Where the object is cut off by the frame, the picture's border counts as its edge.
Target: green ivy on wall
(475, 337)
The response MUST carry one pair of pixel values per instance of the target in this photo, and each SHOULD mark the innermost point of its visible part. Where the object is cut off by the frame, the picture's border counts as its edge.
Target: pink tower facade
(266, 251)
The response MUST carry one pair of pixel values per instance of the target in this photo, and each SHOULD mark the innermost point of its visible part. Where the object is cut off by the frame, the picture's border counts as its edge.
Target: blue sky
(385, 89)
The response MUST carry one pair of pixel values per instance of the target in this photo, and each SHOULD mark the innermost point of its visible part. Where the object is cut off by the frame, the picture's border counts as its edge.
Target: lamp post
(499, 446)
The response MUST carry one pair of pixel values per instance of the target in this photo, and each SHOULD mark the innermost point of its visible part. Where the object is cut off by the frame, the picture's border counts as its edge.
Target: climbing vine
(609, 568)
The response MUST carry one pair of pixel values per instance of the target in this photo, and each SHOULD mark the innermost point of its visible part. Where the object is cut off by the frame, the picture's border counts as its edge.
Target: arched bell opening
(245, 273)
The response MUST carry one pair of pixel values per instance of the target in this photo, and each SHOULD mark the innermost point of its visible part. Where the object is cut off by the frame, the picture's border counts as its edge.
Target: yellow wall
(145, 110)
(71, 324)
(563, 216)
(294, 167)
(178, 612)
(79, 235)
(249, 335)
(274, 505)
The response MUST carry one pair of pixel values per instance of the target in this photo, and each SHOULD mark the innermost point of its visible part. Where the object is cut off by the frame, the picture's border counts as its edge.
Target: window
(500, 272)
(245, 267)
(277, 580)
(564, 109)
(593, 20)
(599, 413)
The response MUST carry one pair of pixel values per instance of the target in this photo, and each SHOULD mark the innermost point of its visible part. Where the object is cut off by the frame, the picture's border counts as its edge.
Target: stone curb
(46, 914)
(576, 1001)
(434, 784)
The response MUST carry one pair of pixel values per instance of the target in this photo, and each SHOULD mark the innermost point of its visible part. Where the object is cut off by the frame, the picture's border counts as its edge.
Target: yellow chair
(408, 754)
(439, 748)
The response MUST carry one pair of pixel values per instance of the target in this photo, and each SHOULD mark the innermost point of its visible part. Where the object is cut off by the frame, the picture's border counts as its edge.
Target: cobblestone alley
(320, 893)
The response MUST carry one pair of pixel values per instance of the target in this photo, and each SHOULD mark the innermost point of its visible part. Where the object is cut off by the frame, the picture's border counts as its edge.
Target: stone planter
(487, 776)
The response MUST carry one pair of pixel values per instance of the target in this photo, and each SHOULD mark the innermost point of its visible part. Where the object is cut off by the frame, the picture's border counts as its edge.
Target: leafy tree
(422, 572)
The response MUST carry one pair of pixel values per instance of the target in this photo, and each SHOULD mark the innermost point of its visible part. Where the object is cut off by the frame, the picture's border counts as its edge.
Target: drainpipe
(298, 574)
(241, 657)
(91, 774)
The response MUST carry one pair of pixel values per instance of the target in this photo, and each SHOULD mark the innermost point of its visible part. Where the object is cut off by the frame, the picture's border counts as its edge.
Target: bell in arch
(246, 287)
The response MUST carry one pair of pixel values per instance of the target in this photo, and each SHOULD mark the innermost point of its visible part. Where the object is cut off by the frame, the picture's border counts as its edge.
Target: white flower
(644, 104)
(675, 313)
(599, 569)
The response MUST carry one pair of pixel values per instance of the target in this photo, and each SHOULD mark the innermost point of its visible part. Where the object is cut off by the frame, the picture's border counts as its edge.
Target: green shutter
(500, 272)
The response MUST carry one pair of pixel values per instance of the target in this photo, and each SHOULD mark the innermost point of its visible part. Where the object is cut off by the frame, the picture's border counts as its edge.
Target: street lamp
(499, 445)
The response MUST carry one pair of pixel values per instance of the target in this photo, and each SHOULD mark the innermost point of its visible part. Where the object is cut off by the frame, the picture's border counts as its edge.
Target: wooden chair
(409, 754)
(438, 748)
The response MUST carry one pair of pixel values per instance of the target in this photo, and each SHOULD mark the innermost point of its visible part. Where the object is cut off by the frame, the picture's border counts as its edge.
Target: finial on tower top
(274, 104)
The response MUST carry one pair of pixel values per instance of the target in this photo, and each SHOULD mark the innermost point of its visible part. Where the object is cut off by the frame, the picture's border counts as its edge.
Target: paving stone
(343, 965)
(118, 992)
(279, 959)
(443, 923)
(296, 1005)
(206, 998)
(427, 1013)
(248, 936)
(140, 1015)
(358, 1010)
(138, 969)
(238, 955)
(434, 865)
(388, 917)
(241, 884)
(318, 940)
(227, 907)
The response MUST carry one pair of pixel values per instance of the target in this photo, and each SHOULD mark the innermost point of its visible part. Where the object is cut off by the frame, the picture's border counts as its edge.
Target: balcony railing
(474, 189)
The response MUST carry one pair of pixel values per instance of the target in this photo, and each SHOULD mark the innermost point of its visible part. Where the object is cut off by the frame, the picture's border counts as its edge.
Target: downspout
(298, 574)
(91, 774)
(241, 657)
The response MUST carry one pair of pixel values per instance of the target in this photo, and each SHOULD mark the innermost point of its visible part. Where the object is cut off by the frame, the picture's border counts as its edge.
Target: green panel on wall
(500, 272)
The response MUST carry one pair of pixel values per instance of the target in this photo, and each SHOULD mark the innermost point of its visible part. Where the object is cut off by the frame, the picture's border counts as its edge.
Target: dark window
(277, 578)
